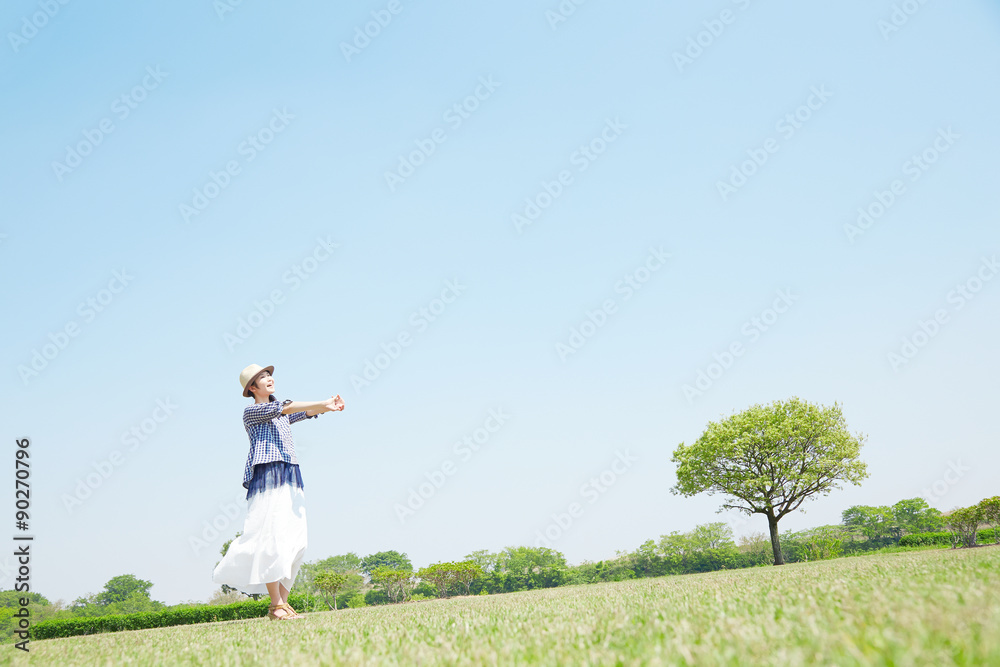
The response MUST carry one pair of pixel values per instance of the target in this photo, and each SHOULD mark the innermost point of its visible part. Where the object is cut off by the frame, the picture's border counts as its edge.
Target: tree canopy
(769, 459)
(123, 587)
(344, 563)
(392, 560)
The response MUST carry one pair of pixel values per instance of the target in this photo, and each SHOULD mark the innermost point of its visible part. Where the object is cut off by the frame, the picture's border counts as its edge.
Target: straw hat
(248, 374)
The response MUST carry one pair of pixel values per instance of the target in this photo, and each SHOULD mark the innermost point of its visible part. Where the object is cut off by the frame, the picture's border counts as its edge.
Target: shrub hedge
(71, 627)
(928, 539)
(258, 608)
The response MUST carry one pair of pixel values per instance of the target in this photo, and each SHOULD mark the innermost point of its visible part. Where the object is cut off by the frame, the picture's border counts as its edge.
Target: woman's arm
(260, 413)
(336, 404)
(332, 404)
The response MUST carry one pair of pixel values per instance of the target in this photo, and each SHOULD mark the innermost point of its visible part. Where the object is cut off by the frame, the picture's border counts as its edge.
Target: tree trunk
(772, 525)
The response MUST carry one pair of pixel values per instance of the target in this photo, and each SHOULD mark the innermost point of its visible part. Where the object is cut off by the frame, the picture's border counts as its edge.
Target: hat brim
(246, 389)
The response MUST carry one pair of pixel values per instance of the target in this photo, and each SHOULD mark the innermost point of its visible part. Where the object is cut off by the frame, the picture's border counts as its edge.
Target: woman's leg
(274, 590)
(278, 592)
(284, 597)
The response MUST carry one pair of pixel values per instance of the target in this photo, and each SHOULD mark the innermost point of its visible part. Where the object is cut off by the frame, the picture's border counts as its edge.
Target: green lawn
(921, 608)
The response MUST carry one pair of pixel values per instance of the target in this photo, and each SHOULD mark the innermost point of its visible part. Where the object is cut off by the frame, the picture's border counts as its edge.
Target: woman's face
(265, 384)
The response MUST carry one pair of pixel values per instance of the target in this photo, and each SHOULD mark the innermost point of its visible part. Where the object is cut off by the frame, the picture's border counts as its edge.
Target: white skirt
(273, 543)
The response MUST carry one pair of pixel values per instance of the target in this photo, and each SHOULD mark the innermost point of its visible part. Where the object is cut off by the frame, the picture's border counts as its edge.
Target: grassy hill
(923, 608)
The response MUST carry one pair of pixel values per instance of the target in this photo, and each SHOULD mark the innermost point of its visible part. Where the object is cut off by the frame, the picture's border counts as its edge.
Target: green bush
(72, 627)
(931, 539)
(426, 589)
(376, 597)
(356, 601)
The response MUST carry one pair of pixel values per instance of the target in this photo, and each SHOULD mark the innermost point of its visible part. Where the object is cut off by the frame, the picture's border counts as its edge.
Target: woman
(267, 556)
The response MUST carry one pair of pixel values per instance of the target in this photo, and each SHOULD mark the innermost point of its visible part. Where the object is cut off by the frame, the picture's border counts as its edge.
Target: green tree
(124, 587)
(87, 606)
(344, 563)
(676, 549)
(10, 603)
(396, 584)
(465, 573)
(347, 564)
(484, 559)
(329, 584)
(770, 459)
(392, 560)
(134, 604)
(647, 561)
(823, 542)
(711, 536)
(440, 575)
(12, 599)
(989, 509)
(528, 568)
(872, 522)
(755, 547)
(964, 524)
(914, 515)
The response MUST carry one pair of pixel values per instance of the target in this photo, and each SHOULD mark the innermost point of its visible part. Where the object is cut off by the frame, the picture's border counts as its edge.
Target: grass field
(923, 608)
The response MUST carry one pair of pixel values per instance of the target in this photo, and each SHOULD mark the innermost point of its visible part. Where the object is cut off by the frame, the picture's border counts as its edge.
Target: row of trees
(390, 577)
(124, 594)
(906, 517)
(964, 522)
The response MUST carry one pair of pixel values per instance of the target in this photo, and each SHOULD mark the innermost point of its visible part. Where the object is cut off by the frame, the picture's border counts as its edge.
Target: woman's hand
(333, 404)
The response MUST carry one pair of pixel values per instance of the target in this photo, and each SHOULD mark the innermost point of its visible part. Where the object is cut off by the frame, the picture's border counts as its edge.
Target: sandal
(288, 615)
(287, 607)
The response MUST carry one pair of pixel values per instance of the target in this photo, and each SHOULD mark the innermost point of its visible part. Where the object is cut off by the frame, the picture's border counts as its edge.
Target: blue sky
(312, 223)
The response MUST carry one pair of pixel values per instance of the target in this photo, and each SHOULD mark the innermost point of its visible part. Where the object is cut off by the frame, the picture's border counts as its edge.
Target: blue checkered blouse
(270, 435)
